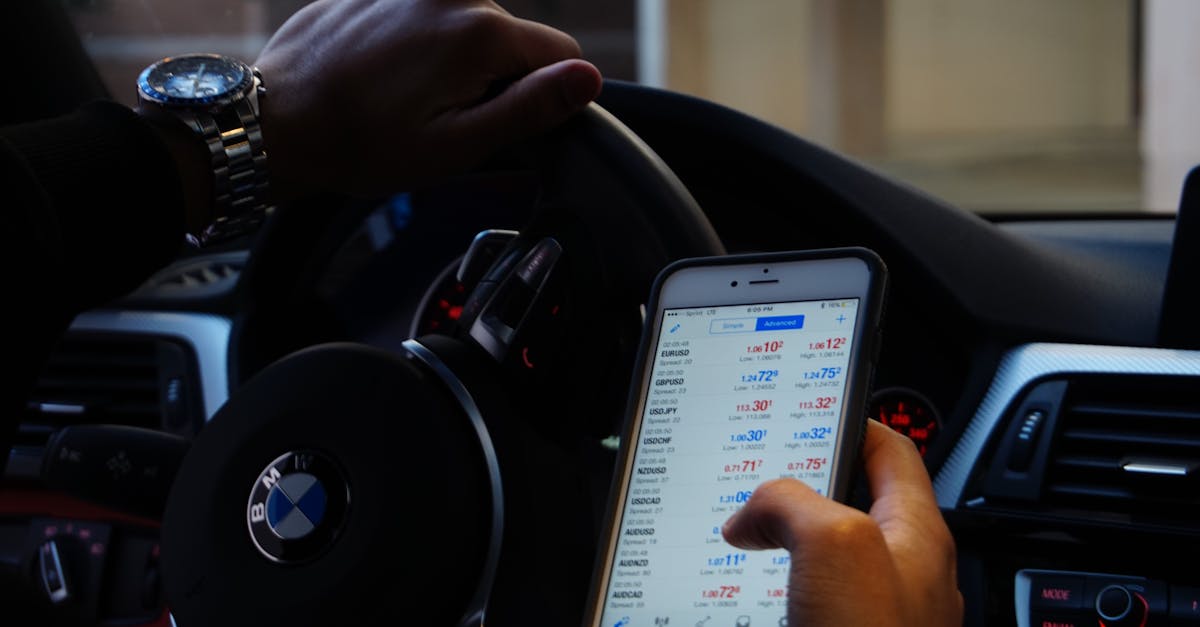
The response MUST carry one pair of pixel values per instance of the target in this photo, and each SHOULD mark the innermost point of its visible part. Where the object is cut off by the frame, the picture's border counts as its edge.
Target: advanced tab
(779, 323)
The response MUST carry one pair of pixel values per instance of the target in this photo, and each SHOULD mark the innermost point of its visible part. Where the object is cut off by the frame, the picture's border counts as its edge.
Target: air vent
(197, 277)
(202, 275)
(205, 273)
(109, 379)
(1128, 445)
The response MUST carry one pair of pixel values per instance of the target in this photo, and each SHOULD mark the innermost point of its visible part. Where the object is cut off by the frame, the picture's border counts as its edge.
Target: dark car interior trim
(1030, 362)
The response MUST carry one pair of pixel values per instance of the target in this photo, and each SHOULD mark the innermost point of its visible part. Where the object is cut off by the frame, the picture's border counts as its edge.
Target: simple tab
(731, 325)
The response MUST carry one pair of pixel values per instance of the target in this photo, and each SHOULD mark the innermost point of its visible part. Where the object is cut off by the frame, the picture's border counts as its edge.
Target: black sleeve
(92, 204)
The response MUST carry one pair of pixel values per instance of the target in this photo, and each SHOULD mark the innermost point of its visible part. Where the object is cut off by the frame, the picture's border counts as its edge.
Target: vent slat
(1105, 492)
(1134, 411)
(1130, 437)
(26, 429)
(111, 408)
(1092, 462)
(49, 385)
(134, 408)
(75, 360)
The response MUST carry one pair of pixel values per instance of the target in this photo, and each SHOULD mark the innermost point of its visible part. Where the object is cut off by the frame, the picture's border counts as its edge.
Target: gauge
(442, 304)
(908, 412)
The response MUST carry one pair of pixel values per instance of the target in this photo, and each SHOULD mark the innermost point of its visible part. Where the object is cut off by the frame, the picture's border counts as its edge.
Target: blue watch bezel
(231, 95)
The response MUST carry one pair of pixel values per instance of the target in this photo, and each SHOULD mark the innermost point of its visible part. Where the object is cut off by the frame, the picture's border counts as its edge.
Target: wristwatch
(216, 97)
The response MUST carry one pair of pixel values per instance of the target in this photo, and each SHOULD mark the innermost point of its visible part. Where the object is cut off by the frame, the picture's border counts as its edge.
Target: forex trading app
(737, 395)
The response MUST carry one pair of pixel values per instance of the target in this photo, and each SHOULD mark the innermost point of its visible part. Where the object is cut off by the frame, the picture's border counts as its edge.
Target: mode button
(1057, 592)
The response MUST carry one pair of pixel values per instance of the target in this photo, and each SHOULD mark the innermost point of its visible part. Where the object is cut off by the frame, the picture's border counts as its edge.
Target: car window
(998, 106)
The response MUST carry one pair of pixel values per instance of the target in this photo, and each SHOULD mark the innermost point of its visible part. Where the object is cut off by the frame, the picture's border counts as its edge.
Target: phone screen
(737, 395)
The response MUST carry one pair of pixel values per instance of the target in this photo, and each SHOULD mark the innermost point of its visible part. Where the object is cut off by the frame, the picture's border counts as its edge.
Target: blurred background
(998, 106)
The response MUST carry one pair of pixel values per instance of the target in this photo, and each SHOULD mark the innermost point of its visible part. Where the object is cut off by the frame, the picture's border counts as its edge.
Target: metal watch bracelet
(241, 189)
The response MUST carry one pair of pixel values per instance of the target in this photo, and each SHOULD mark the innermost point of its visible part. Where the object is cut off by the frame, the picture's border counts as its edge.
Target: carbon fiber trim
(1029, 362)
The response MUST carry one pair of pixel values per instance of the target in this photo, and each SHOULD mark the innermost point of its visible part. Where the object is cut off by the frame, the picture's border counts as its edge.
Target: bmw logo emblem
(297, 506)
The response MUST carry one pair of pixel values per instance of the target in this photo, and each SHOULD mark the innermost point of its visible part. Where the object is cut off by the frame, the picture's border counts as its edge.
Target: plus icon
(841, 318)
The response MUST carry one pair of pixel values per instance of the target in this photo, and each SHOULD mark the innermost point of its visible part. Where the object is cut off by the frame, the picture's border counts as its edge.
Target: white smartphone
(752, 367)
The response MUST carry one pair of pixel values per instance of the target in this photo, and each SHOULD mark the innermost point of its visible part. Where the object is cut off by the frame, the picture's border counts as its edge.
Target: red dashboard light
(909, 412)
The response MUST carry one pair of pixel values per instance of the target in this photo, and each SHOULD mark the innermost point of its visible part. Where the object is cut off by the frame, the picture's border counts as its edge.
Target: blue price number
(760, 376)
(815, 433)
(729, 559)
(736, 497)
(752, 435)
(831, 372)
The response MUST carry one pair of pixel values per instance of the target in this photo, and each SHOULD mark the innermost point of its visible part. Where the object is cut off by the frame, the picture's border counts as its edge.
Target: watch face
(194, 79)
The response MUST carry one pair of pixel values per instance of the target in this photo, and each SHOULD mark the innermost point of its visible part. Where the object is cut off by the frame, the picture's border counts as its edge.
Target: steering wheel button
(536, 265)
(1056, 593)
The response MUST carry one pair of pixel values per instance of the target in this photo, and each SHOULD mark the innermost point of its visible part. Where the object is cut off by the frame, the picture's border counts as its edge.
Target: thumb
(535, 103)
(772, 516)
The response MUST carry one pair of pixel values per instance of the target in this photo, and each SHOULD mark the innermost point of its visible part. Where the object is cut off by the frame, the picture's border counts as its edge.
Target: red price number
(773, 346)
(756, 405)
(746, 465)
(723, 592)
(810, 463)
(828, 344)
(821, 402)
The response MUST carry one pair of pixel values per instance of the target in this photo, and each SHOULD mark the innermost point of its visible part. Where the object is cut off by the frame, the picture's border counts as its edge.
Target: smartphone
(751, 367)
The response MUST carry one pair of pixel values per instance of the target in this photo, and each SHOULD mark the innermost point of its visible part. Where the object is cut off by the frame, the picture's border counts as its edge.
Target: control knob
(1118, 606)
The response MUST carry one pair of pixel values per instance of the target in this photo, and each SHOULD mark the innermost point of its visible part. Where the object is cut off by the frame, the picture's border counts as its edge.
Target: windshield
(997, 106)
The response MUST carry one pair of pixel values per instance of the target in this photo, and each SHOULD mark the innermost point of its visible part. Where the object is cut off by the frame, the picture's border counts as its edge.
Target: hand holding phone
(752, 368)
(893, 565)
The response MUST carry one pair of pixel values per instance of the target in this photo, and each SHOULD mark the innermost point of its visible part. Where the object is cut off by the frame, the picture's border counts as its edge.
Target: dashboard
(1021, 355)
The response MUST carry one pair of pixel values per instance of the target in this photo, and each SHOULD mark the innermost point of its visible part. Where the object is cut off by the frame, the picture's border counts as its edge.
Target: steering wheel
(344, 484)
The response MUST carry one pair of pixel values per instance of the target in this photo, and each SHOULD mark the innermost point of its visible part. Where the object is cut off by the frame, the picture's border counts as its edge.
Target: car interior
(1047, 367)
